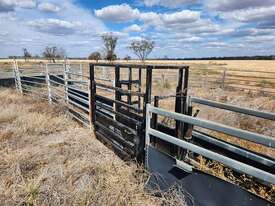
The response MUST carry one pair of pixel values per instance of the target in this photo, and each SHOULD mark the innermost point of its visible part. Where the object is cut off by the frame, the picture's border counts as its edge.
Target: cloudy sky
(180, 28)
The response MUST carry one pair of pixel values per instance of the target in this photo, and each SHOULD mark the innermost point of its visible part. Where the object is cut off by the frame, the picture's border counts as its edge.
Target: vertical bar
(146, 117)
(147, 135)
(178, 104)
(184, 99)
(154, 121)
(129, 86)
(18, 77)
(178, 108)
(139, 86)
(48, 83)
(65, 74)
(118, 85)
(148, 91)
(15, 76)
(92, 91)
(155, 116)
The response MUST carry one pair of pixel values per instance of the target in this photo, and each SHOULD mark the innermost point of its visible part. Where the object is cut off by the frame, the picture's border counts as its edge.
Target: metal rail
(234, 164)
(243, 134)
(233, 108)
(134, 93)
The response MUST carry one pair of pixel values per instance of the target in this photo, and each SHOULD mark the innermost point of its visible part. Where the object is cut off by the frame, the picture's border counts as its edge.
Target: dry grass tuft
(46, 159)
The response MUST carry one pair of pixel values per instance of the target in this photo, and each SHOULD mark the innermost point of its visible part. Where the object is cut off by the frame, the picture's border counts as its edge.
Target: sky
(179, 28)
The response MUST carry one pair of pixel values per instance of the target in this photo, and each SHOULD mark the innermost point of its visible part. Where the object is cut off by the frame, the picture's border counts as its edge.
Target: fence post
(223, 78)
(139, 86)
(48, 84)
(147, 135)
(65, 75)
(92, 91)
(117, 85)
(17, 77)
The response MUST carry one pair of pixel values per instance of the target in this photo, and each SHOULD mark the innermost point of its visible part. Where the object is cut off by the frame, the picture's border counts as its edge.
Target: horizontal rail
(110, 109)
(103, 79)
(79, 95)
(120, 103)
(80, 113)
(143, 66)
(134, 93)
(76, 74)
(34, 77)
(243, 134)
(115, 136)
(252, 77)
(55, 76)
(231, 70)
(84, 101)
(31, 82)
(233, 108)
(80, 120)
(234, 164)
(250, 155)
(106, 90)
(55, 82)
(78, 105)
(77, 88)
(78, 81)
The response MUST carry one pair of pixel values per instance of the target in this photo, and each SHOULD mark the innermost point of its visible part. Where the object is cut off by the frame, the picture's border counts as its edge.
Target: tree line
(141, 48)
(268, 57)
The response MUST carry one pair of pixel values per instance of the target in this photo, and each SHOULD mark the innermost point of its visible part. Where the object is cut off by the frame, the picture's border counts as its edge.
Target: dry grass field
(47, 159)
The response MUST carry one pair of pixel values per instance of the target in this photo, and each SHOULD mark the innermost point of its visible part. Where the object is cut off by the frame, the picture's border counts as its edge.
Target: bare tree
(110, 42)
(95, 56)
(142, 48)
(53, 53)
(27, 54)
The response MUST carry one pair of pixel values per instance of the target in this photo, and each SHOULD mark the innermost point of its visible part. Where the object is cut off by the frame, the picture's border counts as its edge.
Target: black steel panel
(123, 130)
(198, 188)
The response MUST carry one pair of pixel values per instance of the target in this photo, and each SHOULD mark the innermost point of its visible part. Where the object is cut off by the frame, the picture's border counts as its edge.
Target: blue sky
(179, 28)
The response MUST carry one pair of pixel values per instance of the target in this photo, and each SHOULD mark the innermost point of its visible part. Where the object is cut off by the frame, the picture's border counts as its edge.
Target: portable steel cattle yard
(126, 116)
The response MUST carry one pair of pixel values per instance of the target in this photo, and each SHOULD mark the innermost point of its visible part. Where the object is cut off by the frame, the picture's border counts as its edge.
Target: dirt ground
(47, 159)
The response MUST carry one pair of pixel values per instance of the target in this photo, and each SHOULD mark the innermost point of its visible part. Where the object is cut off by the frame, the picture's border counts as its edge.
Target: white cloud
(55, 26)
(192, 39)
(26, 4)
(133, 28)
(48, 7)
(151, 18)
(182, 17)
(168, 3)
(217, 44)
(251, 15)
(118, 13)
(231, 5)
(125, 13)
(10, 5)
(47, 29)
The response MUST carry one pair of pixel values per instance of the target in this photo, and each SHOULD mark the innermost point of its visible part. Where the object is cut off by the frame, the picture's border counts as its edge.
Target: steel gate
(119, 106)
